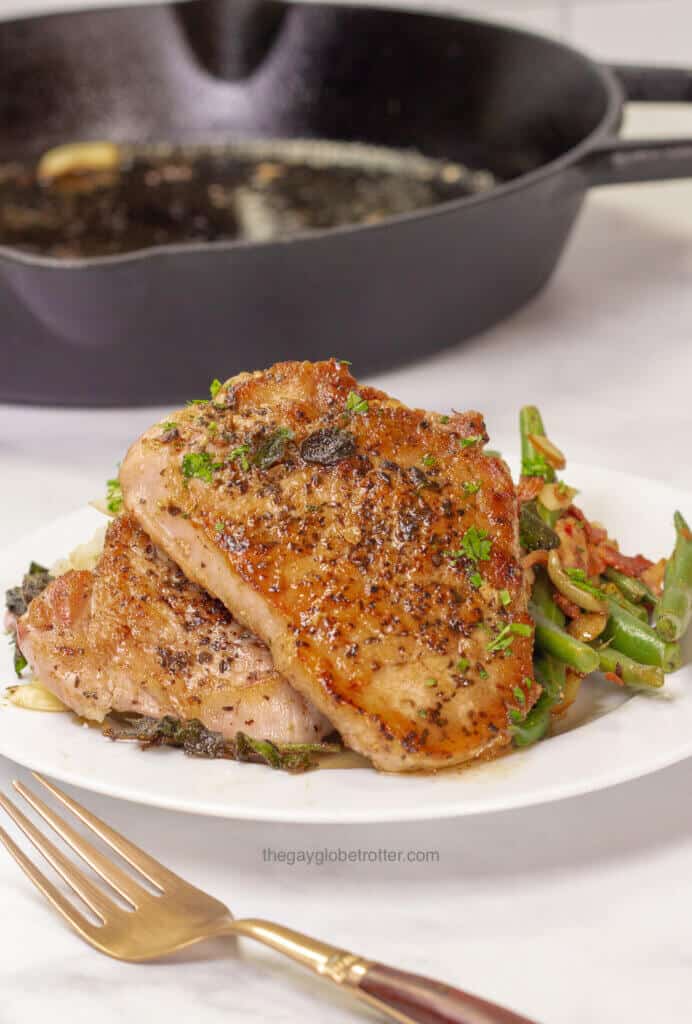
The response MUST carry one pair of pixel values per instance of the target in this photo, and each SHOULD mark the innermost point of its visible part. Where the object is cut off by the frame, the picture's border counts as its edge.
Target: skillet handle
(619, 161)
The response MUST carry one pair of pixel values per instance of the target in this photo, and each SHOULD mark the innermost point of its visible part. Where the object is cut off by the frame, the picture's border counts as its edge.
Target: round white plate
(610, 735)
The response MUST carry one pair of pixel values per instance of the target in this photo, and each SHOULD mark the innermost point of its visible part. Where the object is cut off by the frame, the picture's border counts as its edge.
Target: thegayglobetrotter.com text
(340, 855)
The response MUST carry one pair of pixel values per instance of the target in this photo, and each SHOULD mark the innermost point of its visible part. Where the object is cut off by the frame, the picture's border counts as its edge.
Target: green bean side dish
(594, 610)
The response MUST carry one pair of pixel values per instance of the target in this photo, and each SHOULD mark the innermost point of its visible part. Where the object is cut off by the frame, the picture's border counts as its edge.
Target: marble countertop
(573, 913)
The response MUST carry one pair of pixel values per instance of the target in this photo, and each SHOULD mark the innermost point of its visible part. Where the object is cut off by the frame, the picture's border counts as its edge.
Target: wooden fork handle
(406, 998)
(425, 1001)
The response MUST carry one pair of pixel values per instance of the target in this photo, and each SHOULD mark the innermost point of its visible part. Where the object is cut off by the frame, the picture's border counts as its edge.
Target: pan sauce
(253, 191)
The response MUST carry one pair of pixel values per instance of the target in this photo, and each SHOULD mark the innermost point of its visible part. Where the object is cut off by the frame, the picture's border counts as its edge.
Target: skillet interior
(209, 70)
(118, 330)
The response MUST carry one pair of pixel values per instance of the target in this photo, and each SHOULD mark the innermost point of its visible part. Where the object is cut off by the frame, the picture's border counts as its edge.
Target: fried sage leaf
(35, 581)
(328, 446)
(534, 532)
(198, 741)
(273, 448)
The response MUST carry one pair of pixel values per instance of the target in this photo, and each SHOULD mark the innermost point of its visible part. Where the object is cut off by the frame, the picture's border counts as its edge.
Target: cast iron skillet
(158, 324)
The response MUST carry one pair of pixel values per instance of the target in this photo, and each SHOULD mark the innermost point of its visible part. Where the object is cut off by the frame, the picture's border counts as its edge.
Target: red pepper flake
(613, 678)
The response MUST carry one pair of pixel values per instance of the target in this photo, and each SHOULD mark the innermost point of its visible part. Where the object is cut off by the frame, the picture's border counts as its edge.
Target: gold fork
(178, 915)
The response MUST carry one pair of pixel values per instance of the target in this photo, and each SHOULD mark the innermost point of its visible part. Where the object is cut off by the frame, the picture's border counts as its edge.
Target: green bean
(549, 516)
(638, 640)
(533, 463)
(675, 607)
(553, 640)
(535, 725)
(550, 673)
(616, 595)
(542, 597)
(631, 672)
(632, 589)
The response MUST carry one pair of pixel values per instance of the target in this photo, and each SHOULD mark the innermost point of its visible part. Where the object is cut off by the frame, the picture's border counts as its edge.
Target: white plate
(610, 735)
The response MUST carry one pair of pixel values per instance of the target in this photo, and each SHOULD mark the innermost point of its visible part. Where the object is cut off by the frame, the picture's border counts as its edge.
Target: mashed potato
(84, 556)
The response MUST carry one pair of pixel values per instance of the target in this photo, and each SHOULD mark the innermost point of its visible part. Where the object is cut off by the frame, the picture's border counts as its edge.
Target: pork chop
(373, 547)
(137, 636)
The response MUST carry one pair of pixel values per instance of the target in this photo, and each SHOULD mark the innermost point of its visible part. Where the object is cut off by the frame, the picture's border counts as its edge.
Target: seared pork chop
(373, 547)
(136, 635)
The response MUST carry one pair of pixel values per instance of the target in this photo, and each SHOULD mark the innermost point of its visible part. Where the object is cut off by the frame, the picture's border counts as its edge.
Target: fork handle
(406, 998)
(413, 997)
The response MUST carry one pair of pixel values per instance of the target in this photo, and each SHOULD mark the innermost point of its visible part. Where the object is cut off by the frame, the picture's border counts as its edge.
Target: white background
(577, 913)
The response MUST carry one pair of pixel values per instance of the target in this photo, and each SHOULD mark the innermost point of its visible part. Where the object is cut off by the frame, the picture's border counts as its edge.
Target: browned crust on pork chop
(343, 528)
(136, 635)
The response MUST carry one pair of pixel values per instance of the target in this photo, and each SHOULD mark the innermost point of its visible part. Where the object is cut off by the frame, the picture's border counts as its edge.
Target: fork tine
(76, 879)
(157, 874)
(53, 895)
(111, 873)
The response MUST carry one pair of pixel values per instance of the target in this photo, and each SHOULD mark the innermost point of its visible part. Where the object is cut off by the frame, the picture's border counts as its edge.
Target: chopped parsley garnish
(503, 640)
(168, 425)
(428, 460)
(579, 577)
(355, 404)
(114, 497)
(212, 427)
(528, 682)
(198, 464)
(344, 362)
(215, 387)
(536, 466)
(471, 440)
(519, 695)
(471, 487)
(219, 526)
(476, 544)
(515, 715)
(463, 664)
(482, 673)
(239, 454)
(444, 419)
(505, 599)
(431, 682)
(197, 401)
(476, 580)
(422, 713)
